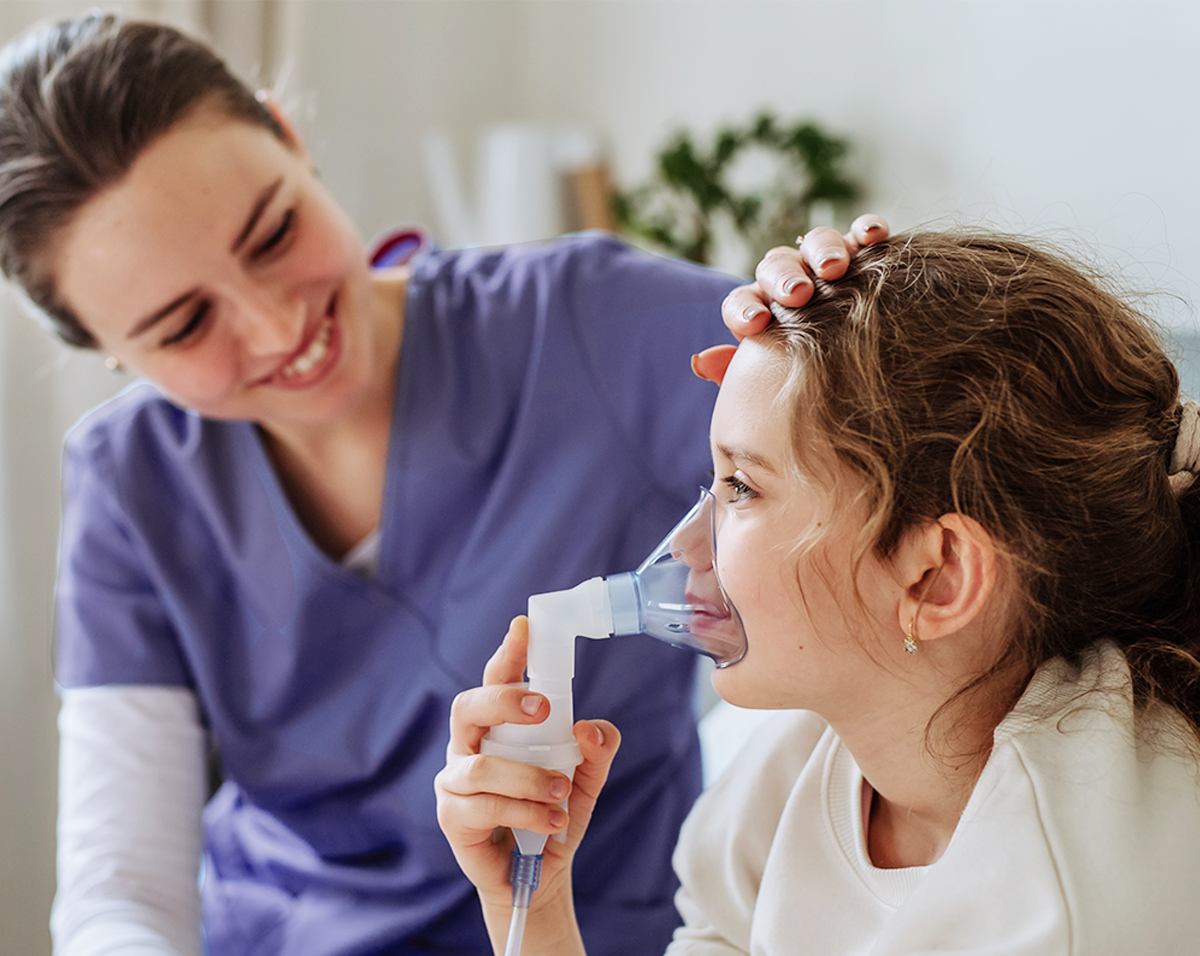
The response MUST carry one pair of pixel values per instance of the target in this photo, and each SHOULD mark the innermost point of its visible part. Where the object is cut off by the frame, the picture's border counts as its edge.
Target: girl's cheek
(737, 578)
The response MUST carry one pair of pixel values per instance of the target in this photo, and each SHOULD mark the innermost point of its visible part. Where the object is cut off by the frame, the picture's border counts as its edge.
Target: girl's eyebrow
(746, 456)
(260, 205)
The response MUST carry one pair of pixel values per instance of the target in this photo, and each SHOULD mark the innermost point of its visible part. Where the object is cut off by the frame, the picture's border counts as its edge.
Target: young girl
(294, 534)
(956, 511)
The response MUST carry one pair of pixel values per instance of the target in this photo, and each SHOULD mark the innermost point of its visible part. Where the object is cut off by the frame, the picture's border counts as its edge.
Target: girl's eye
(739, 489)
(277, 237)
(189, 328)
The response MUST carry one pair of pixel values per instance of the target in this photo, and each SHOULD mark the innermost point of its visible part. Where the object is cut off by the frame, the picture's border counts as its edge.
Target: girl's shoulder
(1108, 793)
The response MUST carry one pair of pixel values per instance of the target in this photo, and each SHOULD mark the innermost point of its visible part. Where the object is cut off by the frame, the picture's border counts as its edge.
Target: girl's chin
(739, 685)
(732, 690)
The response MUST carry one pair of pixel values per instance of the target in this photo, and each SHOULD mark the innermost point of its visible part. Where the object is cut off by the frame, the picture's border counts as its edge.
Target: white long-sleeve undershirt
(131, 790)
(132, 784)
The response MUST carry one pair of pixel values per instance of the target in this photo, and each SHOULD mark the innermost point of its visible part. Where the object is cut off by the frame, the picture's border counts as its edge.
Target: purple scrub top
(547, 428)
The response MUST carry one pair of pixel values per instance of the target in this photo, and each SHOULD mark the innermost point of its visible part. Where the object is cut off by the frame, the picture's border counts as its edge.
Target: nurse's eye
(740, 491)
(275, 239)
(190, 327)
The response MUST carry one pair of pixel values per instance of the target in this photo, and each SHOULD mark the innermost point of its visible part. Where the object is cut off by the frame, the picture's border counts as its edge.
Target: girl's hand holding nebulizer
(482, 797)
(513, 747)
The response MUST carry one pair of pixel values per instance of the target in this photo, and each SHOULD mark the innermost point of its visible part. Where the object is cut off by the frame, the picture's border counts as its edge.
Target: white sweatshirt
(1080, 839)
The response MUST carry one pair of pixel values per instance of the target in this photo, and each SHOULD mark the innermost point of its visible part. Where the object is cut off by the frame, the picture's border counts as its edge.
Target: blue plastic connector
(525, 877)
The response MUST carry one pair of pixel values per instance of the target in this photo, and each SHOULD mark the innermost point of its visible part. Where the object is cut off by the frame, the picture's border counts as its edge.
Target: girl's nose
(692, 543)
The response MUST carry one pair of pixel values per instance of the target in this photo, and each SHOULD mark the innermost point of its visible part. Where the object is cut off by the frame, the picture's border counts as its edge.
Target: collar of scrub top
(398, 246)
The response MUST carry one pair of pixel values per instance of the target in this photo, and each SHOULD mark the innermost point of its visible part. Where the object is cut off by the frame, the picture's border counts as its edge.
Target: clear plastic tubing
(516, 931)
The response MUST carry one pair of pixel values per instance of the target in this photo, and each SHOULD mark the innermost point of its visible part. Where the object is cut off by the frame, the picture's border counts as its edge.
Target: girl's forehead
(758, 369)
(748, 414)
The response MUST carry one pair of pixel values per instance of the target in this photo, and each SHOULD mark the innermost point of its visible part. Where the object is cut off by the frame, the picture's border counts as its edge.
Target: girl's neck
(923, 762)
(916, 824)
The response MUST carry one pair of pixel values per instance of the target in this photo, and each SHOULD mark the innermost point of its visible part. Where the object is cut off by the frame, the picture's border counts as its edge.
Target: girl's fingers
(599, 741)
(476, 711)
(476, 794)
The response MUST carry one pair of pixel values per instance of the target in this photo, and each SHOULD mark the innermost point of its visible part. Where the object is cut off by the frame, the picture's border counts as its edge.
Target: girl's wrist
(550, 927)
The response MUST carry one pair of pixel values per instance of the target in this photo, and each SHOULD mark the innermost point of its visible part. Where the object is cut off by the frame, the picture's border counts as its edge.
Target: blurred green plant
(681, 209)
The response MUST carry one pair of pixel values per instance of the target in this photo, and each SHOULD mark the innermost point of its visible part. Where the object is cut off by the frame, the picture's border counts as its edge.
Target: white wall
(369, 78)
(1030, 115)
(1027, 115)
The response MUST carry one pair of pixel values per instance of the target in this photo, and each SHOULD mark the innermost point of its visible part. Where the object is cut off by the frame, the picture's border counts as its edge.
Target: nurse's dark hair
(988, 376)
(79, 102)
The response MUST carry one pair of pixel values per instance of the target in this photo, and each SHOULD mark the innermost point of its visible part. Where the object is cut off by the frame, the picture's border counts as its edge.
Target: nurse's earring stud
(113, 364)
(910, 643)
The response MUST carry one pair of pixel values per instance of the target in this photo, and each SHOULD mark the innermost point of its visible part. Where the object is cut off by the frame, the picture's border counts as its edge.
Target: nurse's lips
(315, 356)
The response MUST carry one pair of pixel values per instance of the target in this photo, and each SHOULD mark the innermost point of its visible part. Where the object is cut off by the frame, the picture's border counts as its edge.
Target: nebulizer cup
(674, 596)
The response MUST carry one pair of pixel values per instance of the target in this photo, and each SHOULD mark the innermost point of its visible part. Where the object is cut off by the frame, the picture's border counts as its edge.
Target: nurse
(293, 538)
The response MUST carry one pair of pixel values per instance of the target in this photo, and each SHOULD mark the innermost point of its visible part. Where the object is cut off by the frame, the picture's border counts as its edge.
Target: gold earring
(910, 643)
(113, 364)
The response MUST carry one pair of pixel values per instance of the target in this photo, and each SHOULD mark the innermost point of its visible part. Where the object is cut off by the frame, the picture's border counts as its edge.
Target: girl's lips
(705, 607)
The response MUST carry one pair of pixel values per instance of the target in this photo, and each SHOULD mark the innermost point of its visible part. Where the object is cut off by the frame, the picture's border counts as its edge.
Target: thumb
(712, 362)
(507, 664)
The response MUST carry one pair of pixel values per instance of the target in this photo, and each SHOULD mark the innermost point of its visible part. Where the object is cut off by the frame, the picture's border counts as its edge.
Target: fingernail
(599, 737)
(871, 227)
(790, 285)
(559, 788)
(752, 312)
(828, 260)
(530, 704)
(557, 818)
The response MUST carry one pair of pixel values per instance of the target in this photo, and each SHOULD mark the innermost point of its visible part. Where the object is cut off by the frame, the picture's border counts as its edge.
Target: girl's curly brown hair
(984, 375)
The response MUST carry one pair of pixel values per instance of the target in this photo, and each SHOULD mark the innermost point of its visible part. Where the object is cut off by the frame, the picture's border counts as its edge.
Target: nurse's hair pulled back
(79, 102)
(991, 377)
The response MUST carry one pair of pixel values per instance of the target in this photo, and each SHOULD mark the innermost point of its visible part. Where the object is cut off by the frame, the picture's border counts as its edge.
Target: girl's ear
(949, 569)
(290, 136)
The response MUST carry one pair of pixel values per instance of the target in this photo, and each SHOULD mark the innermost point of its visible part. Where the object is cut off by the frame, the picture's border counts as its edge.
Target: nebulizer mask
(674, 596)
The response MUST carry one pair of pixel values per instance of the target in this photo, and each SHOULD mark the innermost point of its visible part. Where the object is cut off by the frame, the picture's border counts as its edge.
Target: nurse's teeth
(313, 354)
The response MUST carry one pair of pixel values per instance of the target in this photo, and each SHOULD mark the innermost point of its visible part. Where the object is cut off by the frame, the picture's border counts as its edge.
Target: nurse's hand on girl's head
(711, 364)
(785, 273)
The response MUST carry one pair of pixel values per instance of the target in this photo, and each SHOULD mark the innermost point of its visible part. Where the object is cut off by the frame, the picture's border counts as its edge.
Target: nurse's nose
(692, 543)
(269, 323)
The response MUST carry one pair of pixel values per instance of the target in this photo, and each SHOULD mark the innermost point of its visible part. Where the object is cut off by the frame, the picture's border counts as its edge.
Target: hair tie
(1185, 459)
